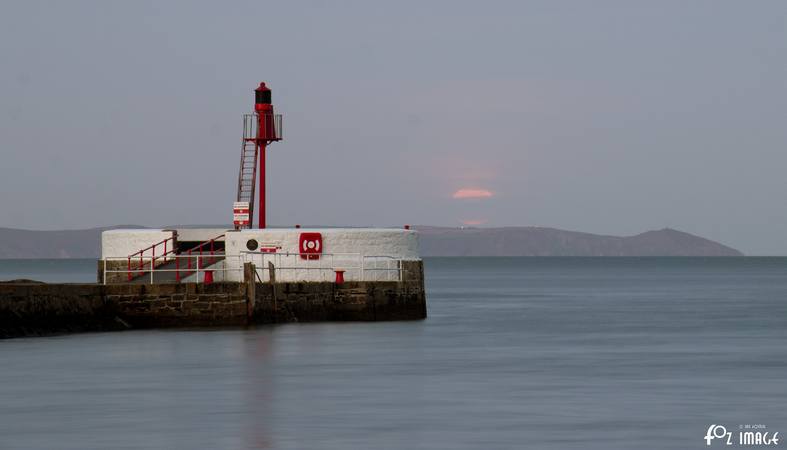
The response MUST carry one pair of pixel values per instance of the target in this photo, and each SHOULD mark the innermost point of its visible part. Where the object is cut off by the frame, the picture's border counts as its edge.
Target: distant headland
(435, 241)
(537, 241)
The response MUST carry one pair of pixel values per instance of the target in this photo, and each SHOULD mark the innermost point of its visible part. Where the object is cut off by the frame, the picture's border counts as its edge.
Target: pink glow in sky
(473, 222)
(472, 193)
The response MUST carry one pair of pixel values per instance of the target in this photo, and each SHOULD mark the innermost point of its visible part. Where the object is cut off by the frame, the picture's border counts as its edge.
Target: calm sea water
(545, 353)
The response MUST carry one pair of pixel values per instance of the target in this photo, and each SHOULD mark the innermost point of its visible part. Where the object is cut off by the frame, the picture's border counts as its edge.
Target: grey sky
(610, 117)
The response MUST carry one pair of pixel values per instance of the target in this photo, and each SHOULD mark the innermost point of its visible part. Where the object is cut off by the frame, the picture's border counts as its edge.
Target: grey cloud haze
(610, 117)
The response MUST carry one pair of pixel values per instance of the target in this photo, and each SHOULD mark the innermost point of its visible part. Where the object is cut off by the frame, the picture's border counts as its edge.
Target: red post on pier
(267, 132)
(262, 221)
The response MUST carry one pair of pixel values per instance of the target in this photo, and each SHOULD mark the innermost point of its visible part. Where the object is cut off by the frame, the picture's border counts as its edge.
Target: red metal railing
(199, 252)
(211, 247)
(153, 259)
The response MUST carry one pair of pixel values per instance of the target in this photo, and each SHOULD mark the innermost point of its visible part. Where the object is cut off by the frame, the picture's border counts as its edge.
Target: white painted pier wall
(371, 253)
(365, 254)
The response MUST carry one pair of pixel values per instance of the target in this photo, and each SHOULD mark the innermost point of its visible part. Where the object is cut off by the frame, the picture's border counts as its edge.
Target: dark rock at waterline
(21, 281)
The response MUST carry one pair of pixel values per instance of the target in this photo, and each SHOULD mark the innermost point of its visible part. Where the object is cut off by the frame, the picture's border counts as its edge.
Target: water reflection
(555, 353)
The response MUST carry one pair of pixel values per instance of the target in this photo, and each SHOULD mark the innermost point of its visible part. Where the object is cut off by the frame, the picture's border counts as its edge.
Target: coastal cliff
(535, 241)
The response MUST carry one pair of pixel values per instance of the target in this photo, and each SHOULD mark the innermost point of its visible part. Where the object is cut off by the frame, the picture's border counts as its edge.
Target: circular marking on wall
(252, 244)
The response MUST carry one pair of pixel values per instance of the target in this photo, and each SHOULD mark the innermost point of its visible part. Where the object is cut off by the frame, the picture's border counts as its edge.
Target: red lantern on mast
(259, 129)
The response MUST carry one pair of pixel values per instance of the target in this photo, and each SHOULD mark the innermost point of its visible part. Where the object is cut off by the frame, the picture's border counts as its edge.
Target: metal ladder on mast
(247, 176)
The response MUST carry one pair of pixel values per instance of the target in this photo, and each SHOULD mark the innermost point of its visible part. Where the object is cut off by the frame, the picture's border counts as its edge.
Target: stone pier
(30, 308)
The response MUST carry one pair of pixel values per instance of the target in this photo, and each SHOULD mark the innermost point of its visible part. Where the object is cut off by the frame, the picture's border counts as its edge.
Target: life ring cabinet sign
(310, 245)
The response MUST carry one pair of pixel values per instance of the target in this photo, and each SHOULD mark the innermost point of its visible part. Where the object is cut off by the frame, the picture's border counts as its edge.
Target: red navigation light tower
(259, 129)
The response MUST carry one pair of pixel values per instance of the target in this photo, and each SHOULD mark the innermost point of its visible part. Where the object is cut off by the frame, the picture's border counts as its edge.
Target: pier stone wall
(172, 305)
(30, 308)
